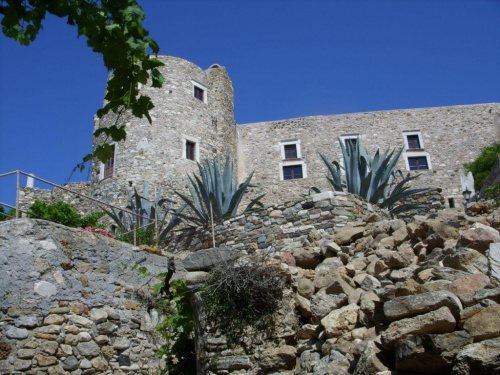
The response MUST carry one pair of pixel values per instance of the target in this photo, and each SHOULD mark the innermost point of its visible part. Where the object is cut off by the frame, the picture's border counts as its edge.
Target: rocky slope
(381, 297)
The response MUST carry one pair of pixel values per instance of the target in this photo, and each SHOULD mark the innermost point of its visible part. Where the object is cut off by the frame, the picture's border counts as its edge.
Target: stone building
(193, 119)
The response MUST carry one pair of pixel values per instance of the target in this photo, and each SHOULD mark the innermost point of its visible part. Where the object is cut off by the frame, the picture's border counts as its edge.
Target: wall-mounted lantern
(466, 193)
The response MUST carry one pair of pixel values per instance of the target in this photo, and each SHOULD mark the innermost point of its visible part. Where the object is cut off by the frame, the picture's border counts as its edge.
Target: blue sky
(286, 59)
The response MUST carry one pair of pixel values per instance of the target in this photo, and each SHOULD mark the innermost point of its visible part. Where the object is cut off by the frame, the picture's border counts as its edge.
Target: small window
(109, 166)
(350, 139)
(190, 150)
(290, 151)
(292, 172)
(417, 163)
(413, 141)
(199, 93)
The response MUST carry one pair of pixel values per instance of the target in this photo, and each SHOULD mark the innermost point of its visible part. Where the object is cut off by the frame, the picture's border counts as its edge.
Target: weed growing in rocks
(240, 295)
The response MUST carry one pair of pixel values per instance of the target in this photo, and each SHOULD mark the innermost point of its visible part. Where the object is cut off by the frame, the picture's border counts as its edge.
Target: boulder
(478, 239)
(372, 360)
(468, 260)
(303, 305)
(479, 358)
(469, 283)
(280, 358)
(348, 234)
(322, 303)
(231, 362)
(402, 307)
(305, 287)
(485, 324)
(340, 321)
(430, 354)
(493, 255)
(438, 321)
(203, 260)
(307, 258)
(333, 363)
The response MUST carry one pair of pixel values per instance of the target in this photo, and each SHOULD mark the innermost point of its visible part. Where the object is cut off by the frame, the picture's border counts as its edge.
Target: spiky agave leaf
(215, 192)
(374, 179)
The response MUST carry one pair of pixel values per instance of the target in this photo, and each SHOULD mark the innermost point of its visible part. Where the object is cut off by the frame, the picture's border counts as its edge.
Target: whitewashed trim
(293, 163)
(202, 87)
(407, 155)
(295, 142)
(406, 133)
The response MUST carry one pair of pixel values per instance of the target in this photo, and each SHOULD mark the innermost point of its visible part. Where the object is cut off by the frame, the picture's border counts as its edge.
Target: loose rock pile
(380, 297)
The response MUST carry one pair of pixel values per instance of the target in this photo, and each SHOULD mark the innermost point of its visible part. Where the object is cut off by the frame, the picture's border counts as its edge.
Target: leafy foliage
(177, 329)
(217, 192)
(144, 214)
(493, 192)
(63, 213)
(10, 214)
(241, 295)
(114, 29)
(374, 179)
(483, 165)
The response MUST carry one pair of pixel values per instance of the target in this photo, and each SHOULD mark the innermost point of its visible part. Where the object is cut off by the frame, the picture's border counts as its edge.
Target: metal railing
(18, 209)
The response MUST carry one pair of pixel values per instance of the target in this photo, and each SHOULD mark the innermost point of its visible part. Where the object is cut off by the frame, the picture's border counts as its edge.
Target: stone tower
(193, 119)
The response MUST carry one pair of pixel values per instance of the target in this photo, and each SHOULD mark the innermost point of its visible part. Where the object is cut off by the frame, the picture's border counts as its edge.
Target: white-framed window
(417, 161)
(190, 148)
(199, 92)
(290, 149)
(107, 169)
(349, 138)
(413, 140)
(292, 170)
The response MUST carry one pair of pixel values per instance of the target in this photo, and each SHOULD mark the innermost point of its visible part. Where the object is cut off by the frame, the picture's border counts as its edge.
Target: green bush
(63, 213)
(142, 236)
(483, 165)
(7, 215)
(177, 328)
(493, 192)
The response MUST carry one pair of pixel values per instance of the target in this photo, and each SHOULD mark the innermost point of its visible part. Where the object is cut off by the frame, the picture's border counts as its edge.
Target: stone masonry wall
(280, 226)
(71, 304)
(451, 136)
(28, 196)
(154, 152)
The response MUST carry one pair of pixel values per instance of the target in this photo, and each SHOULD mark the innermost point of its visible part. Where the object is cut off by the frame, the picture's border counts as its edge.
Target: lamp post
(466, 193)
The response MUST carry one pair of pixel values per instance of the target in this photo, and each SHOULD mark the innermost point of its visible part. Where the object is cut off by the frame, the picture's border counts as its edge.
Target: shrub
(145, 214)
(217, 192)
(11, 214)
(493, 192)
(177, 328)
(63, 213)
(374, 179)
(483, 165)
(241, 295)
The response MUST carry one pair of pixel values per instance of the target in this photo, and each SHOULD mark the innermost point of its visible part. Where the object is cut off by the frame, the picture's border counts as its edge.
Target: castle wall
(451, 136)
(156, 152)
(71, 302)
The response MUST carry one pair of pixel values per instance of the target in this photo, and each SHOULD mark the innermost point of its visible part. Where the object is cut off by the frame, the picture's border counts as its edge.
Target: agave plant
(144, 213)
(374, 179)
(216, 193)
